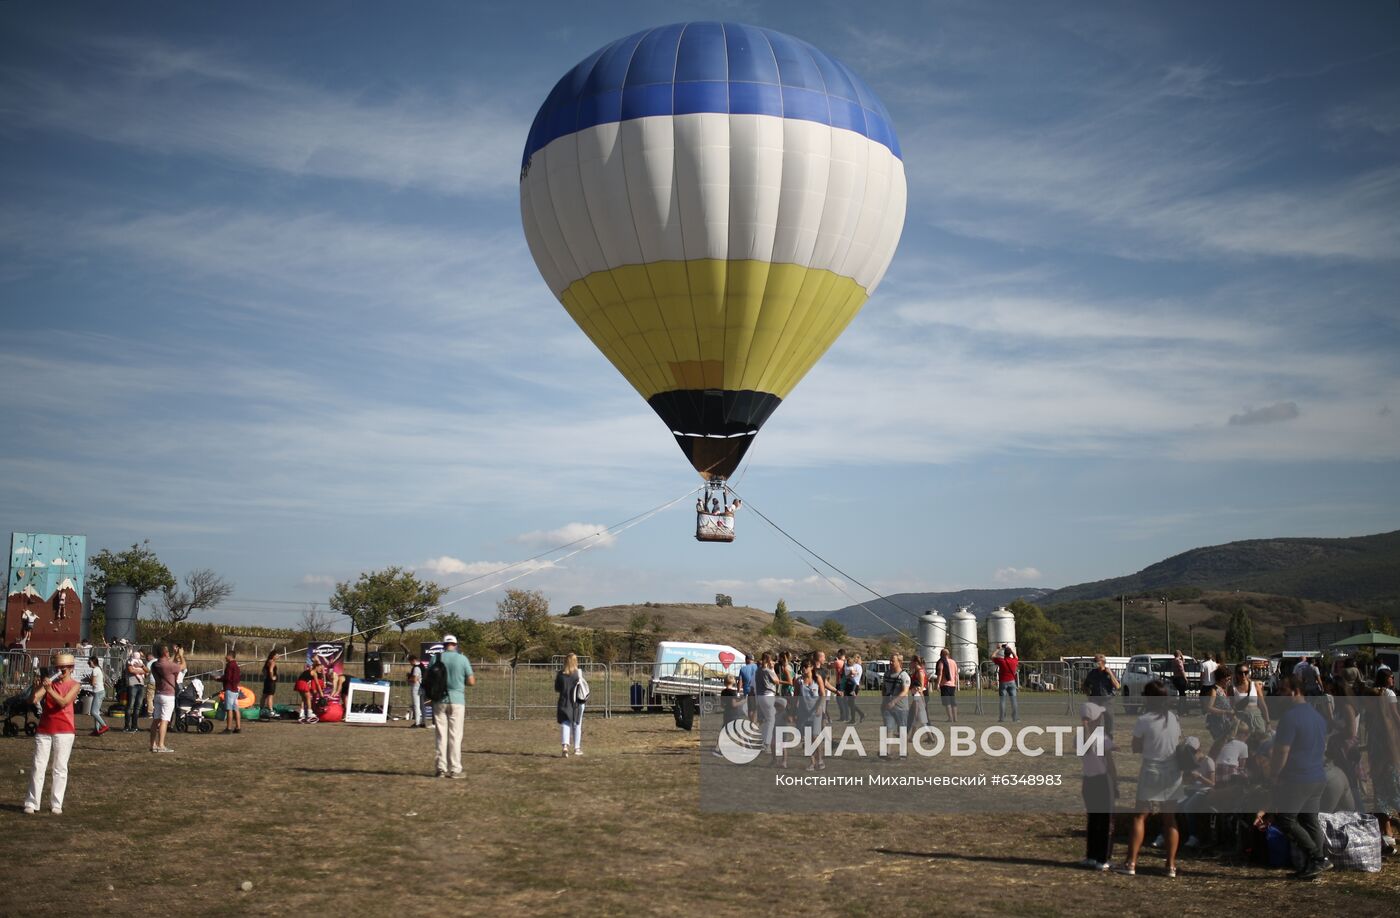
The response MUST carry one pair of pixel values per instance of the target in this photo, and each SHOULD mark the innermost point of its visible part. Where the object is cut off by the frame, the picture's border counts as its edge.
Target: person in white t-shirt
(1231, 760)
(1208, 666)
(855, 673)
(1156, 735)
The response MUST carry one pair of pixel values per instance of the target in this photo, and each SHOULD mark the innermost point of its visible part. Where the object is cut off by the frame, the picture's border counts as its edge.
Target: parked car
(1146, 667)
(874, 673)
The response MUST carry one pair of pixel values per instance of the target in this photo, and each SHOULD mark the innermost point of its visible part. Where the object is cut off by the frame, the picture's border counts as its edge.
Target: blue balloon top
(721, 67)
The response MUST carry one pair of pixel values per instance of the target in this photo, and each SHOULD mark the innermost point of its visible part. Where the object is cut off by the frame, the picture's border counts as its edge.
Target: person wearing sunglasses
(53, 741)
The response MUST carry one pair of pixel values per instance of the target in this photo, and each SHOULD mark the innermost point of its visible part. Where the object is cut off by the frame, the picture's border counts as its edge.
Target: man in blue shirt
(1300, 744)
(450, 711)
(748, 679)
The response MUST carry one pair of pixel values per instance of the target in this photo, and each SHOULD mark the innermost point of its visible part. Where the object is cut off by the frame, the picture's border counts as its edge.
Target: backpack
(581, 689)
(435, 681)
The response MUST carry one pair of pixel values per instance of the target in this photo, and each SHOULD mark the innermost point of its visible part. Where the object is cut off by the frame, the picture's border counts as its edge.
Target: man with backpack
(446, 686)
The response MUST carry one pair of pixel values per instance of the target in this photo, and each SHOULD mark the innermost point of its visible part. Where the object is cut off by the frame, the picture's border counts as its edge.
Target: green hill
(1362, 571)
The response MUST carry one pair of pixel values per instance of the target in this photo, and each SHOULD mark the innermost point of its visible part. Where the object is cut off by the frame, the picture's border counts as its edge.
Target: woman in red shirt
(53, 742)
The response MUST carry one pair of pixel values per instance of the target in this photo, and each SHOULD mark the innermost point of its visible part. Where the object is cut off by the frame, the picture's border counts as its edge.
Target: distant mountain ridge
(1359, 569)
(902, 610)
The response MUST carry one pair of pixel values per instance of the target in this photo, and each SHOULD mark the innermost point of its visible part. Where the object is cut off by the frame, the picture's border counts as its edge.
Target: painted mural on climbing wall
(44, 589)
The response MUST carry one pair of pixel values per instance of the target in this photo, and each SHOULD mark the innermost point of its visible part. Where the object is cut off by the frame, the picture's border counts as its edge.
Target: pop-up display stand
(366, 702)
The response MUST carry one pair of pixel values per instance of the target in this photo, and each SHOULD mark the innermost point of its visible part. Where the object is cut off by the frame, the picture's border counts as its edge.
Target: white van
(687, 677)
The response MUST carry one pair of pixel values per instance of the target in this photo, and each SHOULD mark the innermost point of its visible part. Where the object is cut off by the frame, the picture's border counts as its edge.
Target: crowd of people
(1291, 761)
(1287, 760)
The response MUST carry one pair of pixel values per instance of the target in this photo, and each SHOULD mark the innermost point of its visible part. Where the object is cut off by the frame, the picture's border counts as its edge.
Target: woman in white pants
(573, 692)
(53, 741)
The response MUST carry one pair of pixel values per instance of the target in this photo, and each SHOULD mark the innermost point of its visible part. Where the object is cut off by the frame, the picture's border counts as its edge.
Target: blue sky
(268, 303)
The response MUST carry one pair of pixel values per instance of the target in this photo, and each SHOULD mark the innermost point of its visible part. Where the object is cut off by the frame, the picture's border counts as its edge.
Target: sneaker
(104, 729)
(565, 753)
(313, 719)
(1103, 866)
(238, 730)
(1088, 863)
(1327, 863)
(57, 811)
(1171, 873)
(578, 753)
(1193, 842)
(457, 775)
(440, 774)
(1159, 841)
(1127, 870)
(95, 732)
(30, 811)
(165, 749)
(1311, 870)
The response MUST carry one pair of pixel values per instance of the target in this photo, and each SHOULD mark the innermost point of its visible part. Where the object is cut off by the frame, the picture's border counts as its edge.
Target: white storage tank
(933, 637)
(1001, 629)
(963, 640)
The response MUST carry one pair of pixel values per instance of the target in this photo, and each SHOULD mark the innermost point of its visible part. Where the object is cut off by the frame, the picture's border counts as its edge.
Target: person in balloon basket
(232, 680)
(53, 740)
(450, 709)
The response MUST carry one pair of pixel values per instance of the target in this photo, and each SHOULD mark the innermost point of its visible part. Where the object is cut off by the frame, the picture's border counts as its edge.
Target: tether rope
(838, 570)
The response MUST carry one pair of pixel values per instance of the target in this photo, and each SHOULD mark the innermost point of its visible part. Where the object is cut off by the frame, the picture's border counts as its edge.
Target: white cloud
(37, 563)
(1027, 576)
(59, 562)
(569, 533)
(24, 550)
(447, 566)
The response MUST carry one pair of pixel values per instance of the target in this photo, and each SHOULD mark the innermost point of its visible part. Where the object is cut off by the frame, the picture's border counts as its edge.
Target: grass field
(346, 821)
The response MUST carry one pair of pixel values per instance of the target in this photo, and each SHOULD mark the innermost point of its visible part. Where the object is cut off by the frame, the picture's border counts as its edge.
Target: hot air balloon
(712, 203)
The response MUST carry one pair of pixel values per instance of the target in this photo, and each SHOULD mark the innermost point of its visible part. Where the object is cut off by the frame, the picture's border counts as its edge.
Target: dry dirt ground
(346, 821)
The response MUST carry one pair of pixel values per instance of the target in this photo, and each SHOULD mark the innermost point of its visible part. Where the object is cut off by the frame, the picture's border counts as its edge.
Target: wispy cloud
(1270, 414)
(1021, 576)
(163, 98)
(569, 533)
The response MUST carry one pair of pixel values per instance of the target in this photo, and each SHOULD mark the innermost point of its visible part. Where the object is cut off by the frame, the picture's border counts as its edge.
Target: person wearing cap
(53, 740)
(1200, 779)
(450, 709)
(1098, 787)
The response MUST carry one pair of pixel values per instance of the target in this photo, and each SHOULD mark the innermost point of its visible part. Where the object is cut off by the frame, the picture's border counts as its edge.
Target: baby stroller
(20, 706)
(189, 709)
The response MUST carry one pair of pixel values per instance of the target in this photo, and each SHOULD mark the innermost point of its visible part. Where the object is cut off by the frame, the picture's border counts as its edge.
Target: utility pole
(1191, 633)
(1122, 624)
